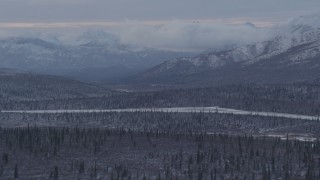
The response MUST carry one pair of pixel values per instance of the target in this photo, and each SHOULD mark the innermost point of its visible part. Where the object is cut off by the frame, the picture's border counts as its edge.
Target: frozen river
(175, 109)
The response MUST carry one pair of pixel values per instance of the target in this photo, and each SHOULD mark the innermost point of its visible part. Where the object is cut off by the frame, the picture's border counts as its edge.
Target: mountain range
(95, 56)
(292, 55)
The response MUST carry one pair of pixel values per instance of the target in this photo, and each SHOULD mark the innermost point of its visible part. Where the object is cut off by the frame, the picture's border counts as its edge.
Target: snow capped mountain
(250, 24)
(304, 24)
(295, 48)
(26, 42)
(97, 37)
(248, 53)
(30, 53)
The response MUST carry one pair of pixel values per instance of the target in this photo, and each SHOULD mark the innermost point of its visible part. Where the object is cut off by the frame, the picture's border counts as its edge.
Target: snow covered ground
(176, 109)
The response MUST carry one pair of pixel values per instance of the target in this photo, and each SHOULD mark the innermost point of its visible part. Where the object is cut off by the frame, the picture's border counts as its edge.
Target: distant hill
(16, 86)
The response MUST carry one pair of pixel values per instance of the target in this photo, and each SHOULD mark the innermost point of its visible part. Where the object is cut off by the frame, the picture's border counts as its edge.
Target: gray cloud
(180, 35)
(172, 35)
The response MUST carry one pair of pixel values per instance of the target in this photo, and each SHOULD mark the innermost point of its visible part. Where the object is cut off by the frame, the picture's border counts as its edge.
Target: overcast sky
(118, 10)
(160, 23)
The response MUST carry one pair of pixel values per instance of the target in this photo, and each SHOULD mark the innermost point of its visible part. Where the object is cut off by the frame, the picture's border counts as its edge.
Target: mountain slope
(289, 57)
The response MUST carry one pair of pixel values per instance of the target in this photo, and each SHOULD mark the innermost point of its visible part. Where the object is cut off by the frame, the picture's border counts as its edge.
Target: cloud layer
(171, 35)
(178, 35)
(217, 23)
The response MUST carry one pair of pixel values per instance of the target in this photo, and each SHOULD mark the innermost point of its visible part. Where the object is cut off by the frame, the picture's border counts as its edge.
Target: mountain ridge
(281, 59)
(36, 55)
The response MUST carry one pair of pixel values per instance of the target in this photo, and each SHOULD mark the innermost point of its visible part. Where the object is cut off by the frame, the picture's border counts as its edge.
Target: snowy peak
(97, 37)
(215, 59)
(32, 48)
(304, 24)
(26, 42)
(250, 24)
(301, 30)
